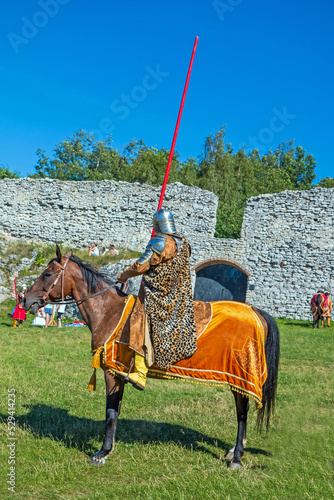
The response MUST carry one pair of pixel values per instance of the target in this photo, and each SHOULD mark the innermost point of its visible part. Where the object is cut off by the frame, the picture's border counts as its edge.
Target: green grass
(171, 438)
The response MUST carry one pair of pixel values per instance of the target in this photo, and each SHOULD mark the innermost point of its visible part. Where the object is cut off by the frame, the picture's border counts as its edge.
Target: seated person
(113, 250)
(94, 250)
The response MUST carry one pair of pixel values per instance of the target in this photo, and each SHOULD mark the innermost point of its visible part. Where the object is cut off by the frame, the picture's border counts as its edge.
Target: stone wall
(80, 213)
(289, 249)
(287, 241)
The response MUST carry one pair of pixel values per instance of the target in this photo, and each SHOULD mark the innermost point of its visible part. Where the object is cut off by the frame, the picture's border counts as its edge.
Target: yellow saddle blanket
(230, 351)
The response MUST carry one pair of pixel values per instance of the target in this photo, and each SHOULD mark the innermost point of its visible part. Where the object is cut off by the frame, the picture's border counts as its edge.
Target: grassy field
(171, 438)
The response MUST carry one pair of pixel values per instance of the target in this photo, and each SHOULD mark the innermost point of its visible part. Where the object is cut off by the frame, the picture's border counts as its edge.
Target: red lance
(170, 158)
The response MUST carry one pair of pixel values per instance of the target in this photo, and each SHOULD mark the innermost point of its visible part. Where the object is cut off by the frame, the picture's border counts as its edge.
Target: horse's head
(51, 284)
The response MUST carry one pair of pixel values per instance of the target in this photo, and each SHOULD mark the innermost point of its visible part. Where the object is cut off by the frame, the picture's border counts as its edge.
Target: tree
(219, 174)
(147, 165)
(79, 158)
(188, 172)
(6, 173)
(327, 182)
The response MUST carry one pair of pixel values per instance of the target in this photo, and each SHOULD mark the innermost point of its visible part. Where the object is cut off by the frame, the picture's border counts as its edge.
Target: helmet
(163, 222)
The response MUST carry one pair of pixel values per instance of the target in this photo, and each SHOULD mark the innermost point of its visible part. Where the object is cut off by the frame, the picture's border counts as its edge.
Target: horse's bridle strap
(59, 275)
(63, 301)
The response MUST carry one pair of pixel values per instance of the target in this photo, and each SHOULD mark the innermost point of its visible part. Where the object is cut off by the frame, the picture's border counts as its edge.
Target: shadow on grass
(82, 433)
(300, 324)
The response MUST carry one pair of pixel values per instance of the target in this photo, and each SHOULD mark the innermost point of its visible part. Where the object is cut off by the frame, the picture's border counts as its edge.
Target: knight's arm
(135, 270)
(159, 249)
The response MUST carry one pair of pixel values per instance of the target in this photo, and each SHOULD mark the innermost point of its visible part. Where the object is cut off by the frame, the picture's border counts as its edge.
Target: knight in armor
(165, 300)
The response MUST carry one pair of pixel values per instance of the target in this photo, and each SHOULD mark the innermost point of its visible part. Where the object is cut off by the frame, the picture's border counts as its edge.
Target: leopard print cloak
(170, 310)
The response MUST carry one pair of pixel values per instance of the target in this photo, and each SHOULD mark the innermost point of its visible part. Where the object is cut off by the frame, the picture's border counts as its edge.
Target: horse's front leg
(114, 394)
(242, 406)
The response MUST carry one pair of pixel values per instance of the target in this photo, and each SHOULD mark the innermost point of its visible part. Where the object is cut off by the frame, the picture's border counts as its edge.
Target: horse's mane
(93, 277)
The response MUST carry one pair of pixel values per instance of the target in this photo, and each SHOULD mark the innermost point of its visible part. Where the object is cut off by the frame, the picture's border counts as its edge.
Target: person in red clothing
(19, 315)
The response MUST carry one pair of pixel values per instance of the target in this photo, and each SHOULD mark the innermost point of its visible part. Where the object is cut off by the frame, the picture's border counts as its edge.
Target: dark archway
(220, 279)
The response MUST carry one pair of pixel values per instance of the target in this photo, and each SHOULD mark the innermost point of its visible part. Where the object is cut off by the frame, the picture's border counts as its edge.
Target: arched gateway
(220, 279)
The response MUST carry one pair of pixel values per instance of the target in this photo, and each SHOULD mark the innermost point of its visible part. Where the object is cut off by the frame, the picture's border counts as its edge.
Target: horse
(101, 304)
(318, 308)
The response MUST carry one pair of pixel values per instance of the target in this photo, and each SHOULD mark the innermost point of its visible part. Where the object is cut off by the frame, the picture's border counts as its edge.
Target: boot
(138, 377)
(328, 322)
(20, 322)
(14, 324)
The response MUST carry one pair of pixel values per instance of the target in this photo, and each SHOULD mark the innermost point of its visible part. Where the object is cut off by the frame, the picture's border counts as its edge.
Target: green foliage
(6, 173)
(327, 182)
(80, 158)
(147, 165)
(171, 438)
(40, 258)
(236, 176)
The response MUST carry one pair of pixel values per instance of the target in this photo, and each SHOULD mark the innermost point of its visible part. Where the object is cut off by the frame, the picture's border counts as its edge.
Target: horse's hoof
(98, 461)
(235, 465)
(229, 455)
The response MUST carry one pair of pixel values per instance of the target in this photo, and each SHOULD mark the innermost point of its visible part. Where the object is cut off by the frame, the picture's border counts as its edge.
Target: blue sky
(263, 68)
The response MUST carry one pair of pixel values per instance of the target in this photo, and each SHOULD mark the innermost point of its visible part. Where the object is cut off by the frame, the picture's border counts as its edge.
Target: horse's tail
(272, 348)
(318, 301)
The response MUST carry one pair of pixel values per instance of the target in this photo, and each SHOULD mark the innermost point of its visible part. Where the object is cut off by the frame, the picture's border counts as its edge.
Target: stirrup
(125, 377)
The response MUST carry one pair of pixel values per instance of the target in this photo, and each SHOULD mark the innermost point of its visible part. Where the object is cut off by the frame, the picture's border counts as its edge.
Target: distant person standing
(19, 315)
(60, 312)
(330, 306)
(48, 314)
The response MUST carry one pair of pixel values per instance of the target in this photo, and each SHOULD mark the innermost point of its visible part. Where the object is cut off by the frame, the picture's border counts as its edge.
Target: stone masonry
(287, 240)
(289, 249)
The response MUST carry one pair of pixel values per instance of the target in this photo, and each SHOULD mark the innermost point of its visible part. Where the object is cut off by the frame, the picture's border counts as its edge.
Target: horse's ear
(68, 255)
(58, 253)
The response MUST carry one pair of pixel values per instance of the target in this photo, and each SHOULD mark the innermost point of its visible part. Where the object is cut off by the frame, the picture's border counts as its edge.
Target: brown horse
(101, 305)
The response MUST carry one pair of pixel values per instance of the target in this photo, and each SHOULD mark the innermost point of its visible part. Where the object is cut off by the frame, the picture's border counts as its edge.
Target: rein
(68, 301)
(80, 301)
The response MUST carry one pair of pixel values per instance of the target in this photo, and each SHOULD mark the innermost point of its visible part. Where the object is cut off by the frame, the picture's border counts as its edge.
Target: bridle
(60, 275)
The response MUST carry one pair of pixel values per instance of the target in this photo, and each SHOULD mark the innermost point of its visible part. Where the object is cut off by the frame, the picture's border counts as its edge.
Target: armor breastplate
(157, 244)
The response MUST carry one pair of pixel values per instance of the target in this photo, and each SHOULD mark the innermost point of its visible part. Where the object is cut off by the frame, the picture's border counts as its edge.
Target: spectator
(330, 305)
(22, 293)
(19, 315)
(60, 311)
(113, 250)
(40, 318)
(48, 314)
(94, 250)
